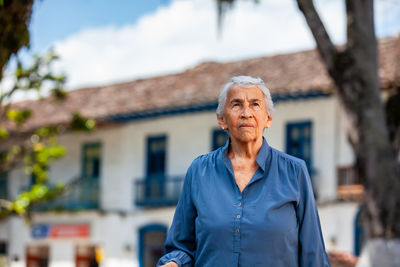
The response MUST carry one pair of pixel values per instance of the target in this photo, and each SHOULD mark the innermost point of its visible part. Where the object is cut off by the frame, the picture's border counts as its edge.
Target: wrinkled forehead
(245, 92)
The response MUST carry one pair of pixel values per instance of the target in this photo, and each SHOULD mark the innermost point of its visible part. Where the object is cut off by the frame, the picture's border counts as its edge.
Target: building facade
(131, 168)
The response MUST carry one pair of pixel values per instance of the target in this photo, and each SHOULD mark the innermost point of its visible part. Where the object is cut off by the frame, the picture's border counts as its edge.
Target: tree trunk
(14, 21)
(355, 73)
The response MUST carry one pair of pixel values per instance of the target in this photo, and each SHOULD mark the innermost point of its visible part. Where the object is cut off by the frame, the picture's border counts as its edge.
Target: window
(86, 194)
(299, 144)
(91, 160)
(298, 141)
(3, 185)
(151, 244)
(219, 138)
(3, 177)
(156, 156)
(3, 253)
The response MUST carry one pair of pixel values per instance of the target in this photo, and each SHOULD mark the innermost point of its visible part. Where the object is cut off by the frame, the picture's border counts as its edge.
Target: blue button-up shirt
(272, 222)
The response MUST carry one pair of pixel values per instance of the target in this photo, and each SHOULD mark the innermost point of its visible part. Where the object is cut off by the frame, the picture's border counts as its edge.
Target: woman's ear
(222, 123)
(268, 122)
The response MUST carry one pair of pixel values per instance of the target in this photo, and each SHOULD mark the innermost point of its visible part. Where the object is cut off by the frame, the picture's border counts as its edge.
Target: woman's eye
(256, 104)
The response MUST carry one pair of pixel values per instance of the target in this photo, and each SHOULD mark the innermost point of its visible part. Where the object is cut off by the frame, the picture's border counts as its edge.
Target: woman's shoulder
(284, 158)
(206, 159)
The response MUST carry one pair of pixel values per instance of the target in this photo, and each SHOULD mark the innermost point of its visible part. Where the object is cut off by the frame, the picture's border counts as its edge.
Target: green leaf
(3, 133)
(79, 123)
(47, 131)
(58, 93)
(19, 117)
(39, 191)
(57, 152)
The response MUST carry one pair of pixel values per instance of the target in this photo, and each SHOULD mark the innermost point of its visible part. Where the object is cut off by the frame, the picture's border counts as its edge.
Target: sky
(101, 42)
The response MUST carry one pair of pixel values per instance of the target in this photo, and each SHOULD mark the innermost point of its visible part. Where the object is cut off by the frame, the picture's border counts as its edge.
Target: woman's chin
(247, 138)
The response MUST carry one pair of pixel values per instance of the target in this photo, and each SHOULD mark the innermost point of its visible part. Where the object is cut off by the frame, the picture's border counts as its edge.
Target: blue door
(299, 143)
(151, 244)
(91, 167)
(156, 157)
(359, 238)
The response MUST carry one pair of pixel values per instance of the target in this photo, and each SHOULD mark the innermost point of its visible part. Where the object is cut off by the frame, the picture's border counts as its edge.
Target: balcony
(81, 195)
(158, 191)
(349, 184)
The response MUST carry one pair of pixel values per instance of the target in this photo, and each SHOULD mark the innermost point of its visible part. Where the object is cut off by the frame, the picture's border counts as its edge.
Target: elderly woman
(246, 204)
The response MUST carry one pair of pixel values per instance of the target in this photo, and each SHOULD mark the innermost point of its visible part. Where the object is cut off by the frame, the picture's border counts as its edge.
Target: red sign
(69, 230)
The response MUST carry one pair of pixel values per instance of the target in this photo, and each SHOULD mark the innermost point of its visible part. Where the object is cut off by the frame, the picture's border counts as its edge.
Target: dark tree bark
(14, 21)
(354, 71)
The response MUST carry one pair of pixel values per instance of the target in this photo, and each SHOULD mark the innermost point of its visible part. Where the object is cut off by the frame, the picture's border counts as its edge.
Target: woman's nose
(246, 112)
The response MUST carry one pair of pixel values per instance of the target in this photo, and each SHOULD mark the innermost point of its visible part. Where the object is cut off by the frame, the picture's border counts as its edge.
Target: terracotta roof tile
(286, 73)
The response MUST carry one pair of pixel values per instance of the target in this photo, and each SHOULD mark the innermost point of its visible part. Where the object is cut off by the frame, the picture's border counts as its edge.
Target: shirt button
(237, 230)
(240, 204)
(238, 216)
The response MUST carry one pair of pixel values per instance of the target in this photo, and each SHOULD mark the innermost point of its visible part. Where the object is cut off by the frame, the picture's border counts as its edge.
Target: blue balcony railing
(159, 191)
(81, 195)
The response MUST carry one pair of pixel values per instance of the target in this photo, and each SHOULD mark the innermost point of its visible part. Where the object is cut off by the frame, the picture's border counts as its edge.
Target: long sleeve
(180, 242)
(311, 244)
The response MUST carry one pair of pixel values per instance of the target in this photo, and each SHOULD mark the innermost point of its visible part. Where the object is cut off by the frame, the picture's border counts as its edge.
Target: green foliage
(3, 133)
(40, 148)
(19, 116)
(39, 74)
(38, 193)
(80, 123)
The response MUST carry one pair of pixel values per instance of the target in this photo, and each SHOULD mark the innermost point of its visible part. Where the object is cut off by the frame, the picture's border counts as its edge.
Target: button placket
(238, 216)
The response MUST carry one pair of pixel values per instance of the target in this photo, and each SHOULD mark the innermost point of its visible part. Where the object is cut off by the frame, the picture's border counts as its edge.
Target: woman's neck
(244, 150)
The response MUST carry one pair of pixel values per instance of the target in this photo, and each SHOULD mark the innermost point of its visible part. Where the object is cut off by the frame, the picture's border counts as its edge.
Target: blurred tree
(354, 70)
(34, 149)
(15, 17)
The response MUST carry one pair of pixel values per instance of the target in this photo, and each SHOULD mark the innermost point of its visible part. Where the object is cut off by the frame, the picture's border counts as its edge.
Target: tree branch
(324, 44)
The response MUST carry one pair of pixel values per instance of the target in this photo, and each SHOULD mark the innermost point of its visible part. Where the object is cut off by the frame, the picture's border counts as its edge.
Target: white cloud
(184, 33)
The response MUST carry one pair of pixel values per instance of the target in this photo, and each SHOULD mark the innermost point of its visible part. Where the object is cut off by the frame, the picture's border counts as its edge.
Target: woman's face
(245, 114)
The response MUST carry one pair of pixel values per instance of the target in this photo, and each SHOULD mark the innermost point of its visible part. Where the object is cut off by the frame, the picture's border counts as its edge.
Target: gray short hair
(245, 82)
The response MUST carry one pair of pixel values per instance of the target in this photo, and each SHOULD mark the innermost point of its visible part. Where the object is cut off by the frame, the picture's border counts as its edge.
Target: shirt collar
(261, 157)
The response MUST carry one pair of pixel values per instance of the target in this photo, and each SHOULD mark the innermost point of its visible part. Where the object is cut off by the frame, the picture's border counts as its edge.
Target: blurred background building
(132, 167)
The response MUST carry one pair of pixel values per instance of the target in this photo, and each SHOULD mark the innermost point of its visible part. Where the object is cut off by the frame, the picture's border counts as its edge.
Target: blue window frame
(299, 144)
(3, 185)
(219, 138)
(155, 169)
(151, 244)
(91, 160)
(156, 156)
(299, 141)
(359, 238)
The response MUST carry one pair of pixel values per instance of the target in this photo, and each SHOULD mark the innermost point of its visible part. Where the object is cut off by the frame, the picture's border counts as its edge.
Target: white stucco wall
(337, 223)
(344, 152)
